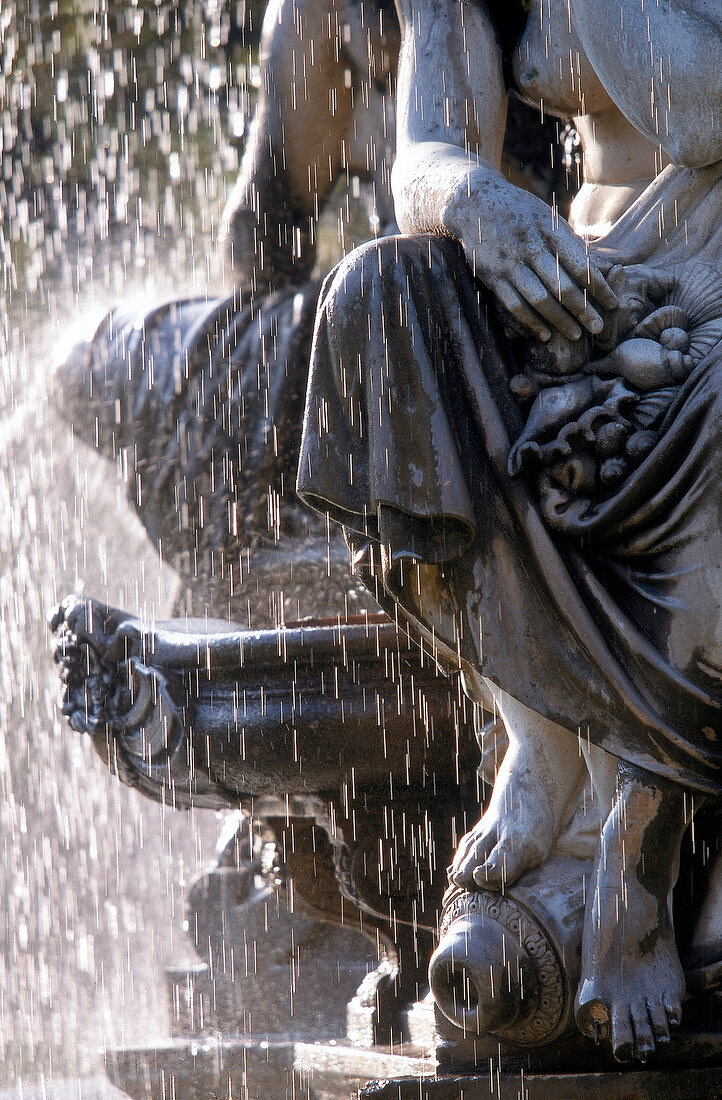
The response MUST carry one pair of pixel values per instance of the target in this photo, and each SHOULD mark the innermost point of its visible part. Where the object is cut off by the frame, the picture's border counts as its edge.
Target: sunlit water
(117, 156)
(91, 874)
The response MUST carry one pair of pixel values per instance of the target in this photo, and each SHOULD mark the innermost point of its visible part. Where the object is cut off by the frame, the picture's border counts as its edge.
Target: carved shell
(698, 292)
(667, 316)
(704, 339)
(694, 304)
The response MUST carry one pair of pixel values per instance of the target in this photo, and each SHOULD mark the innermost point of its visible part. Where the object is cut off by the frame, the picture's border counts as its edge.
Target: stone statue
(516, 420)
(200, 400)
(512, 418)
(310, 709)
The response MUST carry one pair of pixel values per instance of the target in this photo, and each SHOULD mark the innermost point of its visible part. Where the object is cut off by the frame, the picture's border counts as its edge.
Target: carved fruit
(577, 475)
(642, 363)
(523, 387)
(610, 439)
(613, 471)
(676, 339)
(640, 444)
(669, 316)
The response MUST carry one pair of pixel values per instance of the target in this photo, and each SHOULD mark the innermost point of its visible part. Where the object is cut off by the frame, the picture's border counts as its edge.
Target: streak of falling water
(113, 163)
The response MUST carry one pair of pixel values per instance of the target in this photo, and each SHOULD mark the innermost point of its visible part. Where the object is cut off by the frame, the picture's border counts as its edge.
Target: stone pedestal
(677, 1084)
(233, 1067)
(356, 760)
(571, 1068)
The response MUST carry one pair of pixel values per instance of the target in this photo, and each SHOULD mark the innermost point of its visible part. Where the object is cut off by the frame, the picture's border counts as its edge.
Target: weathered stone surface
(212, 1069)
(532, 468)
(516, 421)
(647, 1084)
(271, 968)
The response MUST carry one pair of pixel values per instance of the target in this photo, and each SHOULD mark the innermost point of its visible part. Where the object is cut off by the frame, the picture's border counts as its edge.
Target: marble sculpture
(515, 419)
(528, 457)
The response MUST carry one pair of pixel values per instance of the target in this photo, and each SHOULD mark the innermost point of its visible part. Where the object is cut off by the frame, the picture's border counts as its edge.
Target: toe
(658, 1019)
(471, 854)
(643, 1037)
(491, 874)
(56, 618)
(622, 1035)
(458, 872)
(77, 613)
(591, 1012)
(502, 866)
(83, 622)
(466, 845)
(673, 1008)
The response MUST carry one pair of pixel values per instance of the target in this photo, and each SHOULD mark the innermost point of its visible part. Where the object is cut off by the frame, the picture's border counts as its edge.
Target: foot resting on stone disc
(530, 803)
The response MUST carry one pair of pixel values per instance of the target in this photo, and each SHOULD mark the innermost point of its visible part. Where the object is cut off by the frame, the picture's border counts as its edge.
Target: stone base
(689, 1068)
(634, 1084)
(373, 1018)
(238, 1069)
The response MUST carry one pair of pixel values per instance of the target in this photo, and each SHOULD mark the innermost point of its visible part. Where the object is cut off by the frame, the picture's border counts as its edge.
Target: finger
(673, 1007)
(600, 288)
(556, 279)
(520, 311)
(574, 257)
(536, 294)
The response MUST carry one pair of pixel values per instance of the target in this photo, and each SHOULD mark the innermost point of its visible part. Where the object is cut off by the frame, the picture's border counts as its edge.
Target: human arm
(661, 63)
(450, 128)
(295, 146)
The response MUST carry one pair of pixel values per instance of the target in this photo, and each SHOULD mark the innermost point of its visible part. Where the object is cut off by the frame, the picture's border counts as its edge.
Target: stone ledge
(635, 1084)
(209, 1068)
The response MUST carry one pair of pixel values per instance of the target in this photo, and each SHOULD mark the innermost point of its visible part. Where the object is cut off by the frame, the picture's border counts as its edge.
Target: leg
(632, 980)
(603, 769)
(530, 803)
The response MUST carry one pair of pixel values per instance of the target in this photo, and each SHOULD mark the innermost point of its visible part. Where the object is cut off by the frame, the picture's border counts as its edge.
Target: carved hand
(529, 257)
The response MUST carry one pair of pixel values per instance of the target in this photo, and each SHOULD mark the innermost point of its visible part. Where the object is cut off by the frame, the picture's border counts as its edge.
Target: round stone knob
(498, 968)
(476, 975)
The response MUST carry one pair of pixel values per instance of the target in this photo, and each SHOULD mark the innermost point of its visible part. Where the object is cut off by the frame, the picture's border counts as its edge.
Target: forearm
(304, 106)
(294, 147)
(661, 63)
(451, 109)
(452, 114)
(430, 180)
(267, 236)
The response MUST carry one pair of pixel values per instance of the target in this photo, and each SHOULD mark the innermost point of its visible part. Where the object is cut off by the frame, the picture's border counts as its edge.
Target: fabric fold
(607, 623)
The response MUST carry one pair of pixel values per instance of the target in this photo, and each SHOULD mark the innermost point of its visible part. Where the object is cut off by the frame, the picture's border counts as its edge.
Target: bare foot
(632, 980)
(516, 832)
(91, 621)
(93, 642)
(529, 804)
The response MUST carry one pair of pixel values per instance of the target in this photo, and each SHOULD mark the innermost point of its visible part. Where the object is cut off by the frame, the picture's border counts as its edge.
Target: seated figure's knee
(360, 275)
(374, 274)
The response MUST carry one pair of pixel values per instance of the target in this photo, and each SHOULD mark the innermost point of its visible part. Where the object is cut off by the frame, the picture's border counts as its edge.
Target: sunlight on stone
(361, 597)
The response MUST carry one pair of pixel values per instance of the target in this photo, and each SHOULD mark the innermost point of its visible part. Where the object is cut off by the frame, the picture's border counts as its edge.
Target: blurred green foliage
(118, 112)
